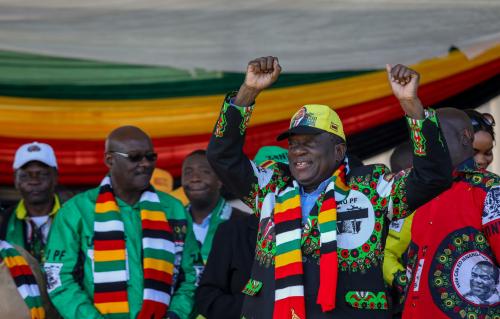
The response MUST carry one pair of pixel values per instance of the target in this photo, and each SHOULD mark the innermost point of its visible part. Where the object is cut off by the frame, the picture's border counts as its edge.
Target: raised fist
(262, 72)
(404, 81)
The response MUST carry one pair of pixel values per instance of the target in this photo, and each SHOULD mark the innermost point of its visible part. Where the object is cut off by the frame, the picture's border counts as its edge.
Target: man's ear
(340, 150)
(108, 160)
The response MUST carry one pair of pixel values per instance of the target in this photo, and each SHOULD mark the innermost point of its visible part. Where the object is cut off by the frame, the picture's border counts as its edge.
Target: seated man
(115, 250)
(454, 254)
(27, 224)
(207, 208)
(321, 235)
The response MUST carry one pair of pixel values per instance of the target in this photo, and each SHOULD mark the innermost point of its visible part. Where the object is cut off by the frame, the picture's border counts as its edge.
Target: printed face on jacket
(483, 281)
(313, 158)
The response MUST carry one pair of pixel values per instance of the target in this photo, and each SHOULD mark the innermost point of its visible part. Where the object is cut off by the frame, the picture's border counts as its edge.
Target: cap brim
(300, 130)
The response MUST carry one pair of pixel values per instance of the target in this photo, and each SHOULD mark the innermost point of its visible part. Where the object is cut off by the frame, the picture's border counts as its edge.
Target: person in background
(455, 232)
(27, 224)
(207, 209)
(484, 137)
(118, 250)
(321, 231)
(398, 237)
(228, 269)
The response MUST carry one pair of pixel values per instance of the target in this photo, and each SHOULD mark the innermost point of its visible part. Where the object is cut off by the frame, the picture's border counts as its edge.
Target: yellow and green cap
(314, 119)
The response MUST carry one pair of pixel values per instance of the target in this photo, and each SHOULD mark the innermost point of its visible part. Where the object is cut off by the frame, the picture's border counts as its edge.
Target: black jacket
(228, 269)
(374, 198)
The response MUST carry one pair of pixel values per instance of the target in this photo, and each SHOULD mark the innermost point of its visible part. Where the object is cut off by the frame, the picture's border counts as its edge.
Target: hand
(404, 84)
(261, 74)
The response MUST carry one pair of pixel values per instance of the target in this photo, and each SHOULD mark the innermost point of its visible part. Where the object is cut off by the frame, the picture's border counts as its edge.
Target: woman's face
(483, 149)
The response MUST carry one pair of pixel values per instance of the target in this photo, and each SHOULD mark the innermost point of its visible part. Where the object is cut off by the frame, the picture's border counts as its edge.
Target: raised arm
(431, 172)
(225, 150)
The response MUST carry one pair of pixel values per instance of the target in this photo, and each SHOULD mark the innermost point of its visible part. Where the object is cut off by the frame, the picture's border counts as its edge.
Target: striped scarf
(289, 293)
(23, 278)
(110, 256)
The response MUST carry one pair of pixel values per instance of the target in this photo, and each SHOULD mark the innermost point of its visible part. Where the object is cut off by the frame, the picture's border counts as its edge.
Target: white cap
(35, 151)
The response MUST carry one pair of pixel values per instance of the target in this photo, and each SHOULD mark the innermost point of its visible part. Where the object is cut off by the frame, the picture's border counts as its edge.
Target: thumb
(276, 67)
(388, 68)
(250, 68)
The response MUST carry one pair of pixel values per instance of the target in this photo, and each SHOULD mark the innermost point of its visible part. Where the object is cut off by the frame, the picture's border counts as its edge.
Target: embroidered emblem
(34, 148)
(463, 280)
(252, 287)
(367, 300)
(266, 248)
(220, 126)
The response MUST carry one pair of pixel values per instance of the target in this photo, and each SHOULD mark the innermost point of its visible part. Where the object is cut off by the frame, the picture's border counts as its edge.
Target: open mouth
(300, 165)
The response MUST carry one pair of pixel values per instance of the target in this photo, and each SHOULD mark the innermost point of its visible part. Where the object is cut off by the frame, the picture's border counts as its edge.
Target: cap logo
(303, 118)
(334, 127)
(34, 148)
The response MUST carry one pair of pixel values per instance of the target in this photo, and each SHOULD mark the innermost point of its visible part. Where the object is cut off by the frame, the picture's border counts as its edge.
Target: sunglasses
(137, 157)
(486, 119)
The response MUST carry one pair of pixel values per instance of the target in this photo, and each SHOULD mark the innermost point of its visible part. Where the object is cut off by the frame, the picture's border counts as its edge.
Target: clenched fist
(261, 74)
(404, 84)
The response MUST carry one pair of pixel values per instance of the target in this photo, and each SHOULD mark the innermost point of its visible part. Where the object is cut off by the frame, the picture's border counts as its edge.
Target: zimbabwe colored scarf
(289, 294)
(23, 278)
(110, 264)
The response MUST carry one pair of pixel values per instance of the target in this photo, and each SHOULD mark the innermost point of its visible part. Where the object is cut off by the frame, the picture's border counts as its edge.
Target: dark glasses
(486, 120)
(137, 157)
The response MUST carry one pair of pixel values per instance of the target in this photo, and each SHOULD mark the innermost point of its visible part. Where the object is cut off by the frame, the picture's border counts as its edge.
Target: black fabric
(4, 220)
(430, 176)
(228, 269)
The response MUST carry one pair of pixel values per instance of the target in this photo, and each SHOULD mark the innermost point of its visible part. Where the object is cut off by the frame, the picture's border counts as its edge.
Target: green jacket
(69, 257)
(15, 228)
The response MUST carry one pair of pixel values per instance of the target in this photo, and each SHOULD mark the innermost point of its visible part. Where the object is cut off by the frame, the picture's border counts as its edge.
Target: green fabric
(271, 153)
(15, 229)
(215, 220)
(30, 75)
(72, 233)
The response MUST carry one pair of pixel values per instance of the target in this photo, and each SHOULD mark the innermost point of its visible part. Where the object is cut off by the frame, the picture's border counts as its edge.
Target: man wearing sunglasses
(117, 250)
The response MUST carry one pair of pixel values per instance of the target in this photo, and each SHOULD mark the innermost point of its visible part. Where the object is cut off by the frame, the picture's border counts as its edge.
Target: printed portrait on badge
(476, 278)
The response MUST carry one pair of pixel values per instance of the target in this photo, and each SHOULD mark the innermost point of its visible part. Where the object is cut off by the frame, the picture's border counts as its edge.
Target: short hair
(495, 269)
(200, 152)
(481, 121)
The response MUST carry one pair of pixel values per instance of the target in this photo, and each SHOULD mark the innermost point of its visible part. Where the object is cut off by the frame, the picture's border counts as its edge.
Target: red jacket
(455, 251)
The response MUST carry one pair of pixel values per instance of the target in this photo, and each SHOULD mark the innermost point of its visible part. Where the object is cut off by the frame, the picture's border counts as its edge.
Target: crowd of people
(329, 237)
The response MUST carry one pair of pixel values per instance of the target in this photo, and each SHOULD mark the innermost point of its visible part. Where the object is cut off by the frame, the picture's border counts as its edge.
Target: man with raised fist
(320, 241)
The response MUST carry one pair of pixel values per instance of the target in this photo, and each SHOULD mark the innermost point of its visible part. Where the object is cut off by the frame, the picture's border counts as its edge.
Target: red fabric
(156, 225)
(109, 244)
(152, 310)
(327, 292)
(460, 206)
(286, 308)
(116, 296)
(157, 275)
(290, 269)
(287, 215)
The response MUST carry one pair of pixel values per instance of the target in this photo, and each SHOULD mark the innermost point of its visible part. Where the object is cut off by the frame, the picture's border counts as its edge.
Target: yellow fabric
(162, 180)
(109, 255)
(113, 307)
(106, 207)
(318, 116)
(153, 215)
(288, 258)
(22, 213)
(93, 120)
(395, 246)
(158, 264)
(15, 261)
(179, 194)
